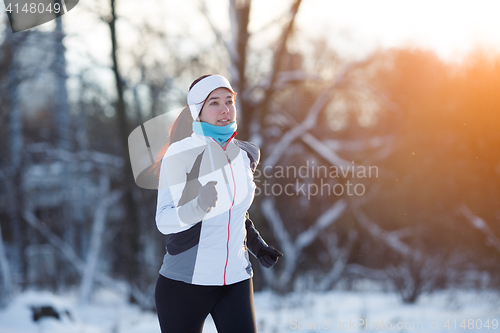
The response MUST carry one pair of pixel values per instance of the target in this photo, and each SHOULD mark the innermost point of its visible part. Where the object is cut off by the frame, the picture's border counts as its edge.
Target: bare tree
(131, 231)
(413, 276)
(339, 256)
(261, 109)
(67, 252)
(416, 271)
(98, 227)
(7, 283)
(251, 112)
(12, 169)
(293, 248)
(62, 105)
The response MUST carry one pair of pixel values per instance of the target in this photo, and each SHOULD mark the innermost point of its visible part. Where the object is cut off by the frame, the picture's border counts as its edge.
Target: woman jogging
(206, 187)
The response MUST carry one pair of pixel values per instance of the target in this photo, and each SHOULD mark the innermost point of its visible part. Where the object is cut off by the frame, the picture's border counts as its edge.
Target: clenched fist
(207, 197)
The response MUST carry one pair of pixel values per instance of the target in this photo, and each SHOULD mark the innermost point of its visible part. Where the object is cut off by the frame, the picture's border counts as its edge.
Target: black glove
(268, 256)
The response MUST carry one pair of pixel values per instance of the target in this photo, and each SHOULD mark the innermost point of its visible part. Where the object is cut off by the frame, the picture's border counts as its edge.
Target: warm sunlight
(449, 27)
(250, 166)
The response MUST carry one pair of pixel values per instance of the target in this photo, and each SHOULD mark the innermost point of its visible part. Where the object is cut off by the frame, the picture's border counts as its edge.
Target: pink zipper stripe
(232, 204)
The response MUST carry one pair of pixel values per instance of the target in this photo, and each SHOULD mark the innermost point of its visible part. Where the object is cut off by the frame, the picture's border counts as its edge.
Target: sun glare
(451, 28)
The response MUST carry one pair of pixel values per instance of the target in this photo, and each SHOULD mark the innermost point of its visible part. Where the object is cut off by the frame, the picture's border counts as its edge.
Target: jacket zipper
(232, 203)
(229, 223)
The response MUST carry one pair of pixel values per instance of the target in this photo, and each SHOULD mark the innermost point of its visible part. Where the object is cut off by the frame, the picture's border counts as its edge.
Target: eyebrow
(228, 96)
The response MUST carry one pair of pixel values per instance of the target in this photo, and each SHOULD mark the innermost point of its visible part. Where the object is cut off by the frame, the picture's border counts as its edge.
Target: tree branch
(390, 238)
(481, 225)
(218, 34)
(98, 225)
(339, 258)
(72, 258)
(292, 249)
(8, 284)
(280, 52)
(310, 121)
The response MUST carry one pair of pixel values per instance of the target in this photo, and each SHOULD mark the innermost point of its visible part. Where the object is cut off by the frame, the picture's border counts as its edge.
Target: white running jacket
(207, 248)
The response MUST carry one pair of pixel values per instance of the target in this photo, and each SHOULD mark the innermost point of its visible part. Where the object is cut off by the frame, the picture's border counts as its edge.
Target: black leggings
(183, 307)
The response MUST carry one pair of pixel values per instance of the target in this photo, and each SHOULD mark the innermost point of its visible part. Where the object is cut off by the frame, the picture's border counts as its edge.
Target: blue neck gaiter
(220, 133)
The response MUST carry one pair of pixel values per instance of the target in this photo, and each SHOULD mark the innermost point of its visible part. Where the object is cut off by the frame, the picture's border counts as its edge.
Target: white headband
(200, 91)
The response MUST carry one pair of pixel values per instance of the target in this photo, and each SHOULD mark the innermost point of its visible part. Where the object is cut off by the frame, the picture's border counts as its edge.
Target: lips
(224, 121)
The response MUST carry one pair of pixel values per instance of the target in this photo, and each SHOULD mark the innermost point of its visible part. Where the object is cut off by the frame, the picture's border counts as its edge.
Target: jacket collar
(208, 139)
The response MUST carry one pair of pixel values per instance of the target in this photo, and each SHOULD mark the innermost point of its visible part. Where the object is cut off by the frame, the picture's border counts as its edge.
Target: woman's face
(219, 109)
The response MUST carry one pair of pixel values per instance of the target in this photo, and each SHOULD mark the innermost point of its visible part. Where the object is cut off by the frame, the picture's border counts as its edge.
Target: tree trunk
(261, 110)
(98, 228)
(7, 285)
(130, 233)
(62, 106)
(63, 127)
(13, 179)
(240, 17)
(292, 248)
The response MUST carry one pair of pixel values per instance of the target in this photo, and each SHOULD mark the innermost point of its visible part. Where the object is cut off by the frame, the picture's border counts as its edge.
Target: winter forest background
(71, 216)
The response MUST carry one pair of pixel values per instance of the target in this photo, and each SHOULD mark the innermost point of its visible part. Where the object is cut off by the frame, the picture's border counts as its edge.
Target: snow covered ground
(447, 311)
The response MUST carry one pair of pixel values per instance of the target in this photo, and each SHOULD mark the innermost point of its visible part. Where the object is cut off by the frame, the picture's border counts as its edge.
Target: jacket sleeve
(170, 216)
(254, 240)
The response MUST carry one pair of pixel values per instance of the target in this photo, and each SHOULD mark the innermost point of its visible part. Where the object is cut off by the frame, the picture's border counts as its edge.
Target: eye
(214, 103)
(230, 102)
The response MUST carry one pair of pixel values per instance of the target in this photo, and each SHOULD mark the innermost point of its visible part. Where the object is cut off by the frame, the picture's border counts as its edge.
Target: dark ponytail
(181, 128)
(183, 125)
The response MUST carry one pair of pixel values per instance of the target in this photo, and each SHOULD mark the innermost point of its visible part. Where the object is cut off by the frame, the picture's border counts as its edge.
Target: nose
(224, 109)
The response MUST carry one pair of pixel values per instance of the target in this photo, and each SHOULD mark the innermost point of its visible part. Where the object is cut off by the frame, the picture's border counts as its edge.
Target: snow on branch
(82, 155)
(339, 258)
(365, 272)
(312, 116)
(324, 151)
(300, 129)
(327, 149)
(391, 239)
(64, 249)
(292, 249)
(68, 253)
(328, 217)
(97, 233)
(273, 217)
(480, 225)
